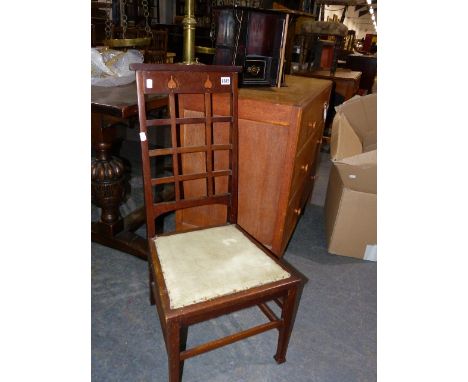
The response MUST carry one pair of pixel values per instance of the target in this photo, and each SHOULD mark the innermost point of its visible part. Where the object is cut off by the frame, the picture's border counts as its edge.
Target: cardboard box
(351, 203)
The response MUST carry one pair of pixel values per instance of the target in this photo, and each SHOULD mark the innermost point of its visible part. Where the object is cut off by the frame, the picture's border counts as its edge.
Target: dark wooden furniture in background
(98, 21)
(346, 82)
(254, 39)
(215, 253)
(280, 130)
(135, 12)
(368, 66)
(369, 41)
(157, 52)
(110, 107)
(349, 41)
(322, 45)
(259, 40)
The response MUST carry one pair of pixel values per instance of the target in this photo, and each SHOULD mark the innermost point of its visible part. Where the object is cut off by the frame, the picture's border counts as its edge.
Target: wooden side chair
(203, 273)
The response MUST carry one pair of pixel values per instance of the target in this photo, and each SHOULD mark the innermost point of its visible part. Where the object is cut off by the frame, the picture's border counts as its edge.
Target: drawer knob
(297, 211)
(305, 167)
(312, 124)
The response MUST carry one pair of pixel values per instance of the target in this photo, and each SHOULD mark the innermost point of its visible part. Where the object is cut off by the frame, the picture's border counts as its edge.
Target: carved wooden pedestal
(109, 108)
(107, 185)
(108, 192)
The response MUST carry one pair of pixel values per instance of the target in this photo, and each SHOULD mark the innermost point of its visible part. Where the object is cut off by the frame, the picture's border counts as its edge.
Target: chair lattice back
(191, 160)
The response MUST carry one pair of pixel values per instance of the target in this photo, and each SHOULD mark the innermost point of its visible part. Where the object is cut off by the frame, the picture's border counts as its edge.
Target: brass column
(189, 22)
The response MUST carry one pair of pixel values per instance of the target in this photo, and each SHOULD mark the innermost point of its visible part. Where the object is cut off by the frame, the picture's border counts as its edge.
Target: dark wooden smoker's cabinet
(259, 40)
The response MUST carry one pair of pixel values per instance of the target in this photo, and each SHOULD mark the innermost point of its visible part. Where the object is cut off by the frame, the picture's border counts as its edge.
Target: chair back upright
(202, 102)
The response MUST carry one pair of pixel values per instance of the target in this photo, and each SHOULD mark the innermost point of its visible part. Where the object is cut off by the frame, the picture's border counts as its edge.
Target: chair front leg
(176, 342)
(183, 346)
(288, 317)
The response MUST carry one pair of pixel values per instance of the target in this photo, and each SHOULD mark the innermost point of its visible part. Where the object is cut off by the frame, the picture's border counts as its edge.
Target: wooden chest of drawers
(346, 81)
(280, 131)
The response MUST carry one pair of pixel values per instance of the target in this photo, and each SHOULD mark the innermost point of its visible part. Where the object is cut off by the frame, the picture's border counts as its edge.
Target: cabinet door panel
(262, 164)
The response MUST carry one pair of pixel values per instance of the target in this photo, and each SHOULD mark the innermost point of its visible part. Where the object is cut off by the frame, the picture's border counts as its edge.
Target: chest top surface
(298, 91)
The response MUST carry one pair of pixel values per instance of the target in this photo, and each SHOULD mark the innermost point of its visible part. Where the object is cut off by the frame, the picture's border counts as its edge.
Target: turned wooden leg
(288, 316)
(108, 188)
(107, 177)
(176, 342)
(107, 184)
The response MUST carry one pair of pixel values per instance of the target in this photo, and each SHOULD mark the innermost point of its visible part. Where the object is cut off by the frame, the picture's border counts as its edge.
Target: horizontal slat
(268, 312)
(200, 175)
(228, 340)
(162, 208)
(278, 302)
(185, 121)
(186, 149)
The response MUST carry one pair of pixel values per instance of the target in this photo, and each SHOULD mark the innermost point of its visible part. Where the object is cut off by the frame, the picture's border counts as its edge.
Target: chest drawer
(312, 120)
(312, 175)
(305, 160)
(293, 213)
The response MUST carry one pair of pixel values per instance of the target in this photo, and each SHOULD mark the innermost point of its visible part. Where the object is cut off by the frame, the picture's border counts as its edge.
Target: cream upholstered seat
(201, 265)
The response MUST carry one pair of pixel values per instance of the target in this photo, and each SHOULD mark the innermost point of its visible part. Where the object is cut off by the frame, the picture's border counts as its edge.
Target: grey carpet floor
(334, 338)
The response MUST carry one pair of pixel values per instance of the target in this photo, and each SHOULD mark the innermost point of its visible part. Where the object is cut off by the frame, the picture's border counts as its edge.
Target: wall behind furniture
(362, 25)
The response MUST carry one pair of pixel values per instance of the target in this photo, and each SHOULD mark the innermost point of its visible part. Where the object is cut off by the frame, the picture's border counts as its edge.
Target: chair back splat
(202, 273)
(182, 84)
